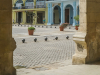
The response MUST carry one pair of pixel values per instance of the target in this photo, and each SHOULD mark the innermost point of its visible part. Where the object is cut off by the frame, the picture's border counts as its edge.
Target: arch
(68, 5)
(56, 15)
(69, 14)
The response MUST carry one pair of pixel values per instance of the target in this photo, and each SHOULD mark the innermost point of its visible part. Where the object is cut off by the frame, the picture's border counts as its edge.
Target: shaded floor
(65, 69)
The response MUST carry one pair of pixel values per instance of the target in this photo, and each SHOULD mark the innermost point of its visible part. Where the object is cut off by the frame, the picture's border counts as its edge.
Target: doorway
(66, 15)
(40, 19)
(57, 15)
(69, 14)
(20, 17)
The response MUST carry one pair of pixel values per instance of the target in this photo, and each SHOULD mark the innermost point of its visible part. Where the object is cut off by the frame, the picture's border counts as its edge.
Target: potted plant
(31, 30)
(77, 20)
(32, 18)
(64, 25)
(76, 27)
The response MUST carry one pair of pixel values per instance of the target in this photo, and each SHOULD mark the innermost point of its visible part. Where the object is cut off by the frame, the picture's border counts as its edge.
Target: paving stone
(42, 52)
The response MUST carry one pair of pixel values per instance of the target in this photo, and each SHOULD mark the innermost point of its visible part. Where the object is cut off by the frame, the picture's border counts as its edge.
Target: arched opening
(69, 14)
(57, 15)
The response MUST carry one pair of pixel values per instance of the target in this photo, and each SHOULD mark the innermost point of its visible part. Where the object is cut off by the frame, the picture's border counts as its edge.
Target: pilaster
(74, 11)
(24, 2)
(34, 2)
(62, 14)
(35, 22)
(51, 14)
(23, 17)
(48, 14)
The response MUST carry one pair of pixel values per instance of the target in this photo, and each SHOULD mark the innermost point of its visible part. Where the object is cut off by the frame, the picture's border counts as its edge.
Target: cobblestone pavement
(32, 54)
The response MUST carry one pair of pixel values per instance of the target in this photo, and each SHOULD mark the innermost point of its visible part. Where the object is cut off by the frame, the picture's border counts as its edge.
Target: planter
(61, 28)
(76, 27)
(30, 32)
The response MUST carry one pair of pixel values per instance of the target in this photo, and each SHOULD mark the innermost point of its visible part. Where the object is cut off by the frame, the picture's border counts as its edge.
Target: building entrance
(66, 15)
(19, 17)
(69, 14)
(57, 15)
(41, 17)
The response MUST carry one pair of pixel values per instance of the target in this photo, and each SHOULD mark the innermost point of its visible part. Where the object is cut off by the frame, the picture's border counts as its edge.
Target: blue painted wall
(70, 13)
(72, 4)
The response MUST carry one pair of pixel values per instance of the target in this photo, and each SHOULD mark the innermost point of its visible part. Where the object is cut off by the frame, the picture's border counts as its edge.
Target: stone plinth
(7, 43)
(87, 37)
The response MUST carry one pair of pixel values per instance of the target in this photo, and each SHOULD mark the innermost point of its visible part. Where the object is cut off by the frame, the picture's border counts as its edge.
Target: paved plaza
(52, 57)
(32, 54)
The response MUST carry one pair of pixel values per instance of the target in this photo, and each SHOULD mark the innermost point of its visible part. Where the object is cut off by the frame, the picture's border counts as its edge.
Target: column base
(78, 59)
(81, 49)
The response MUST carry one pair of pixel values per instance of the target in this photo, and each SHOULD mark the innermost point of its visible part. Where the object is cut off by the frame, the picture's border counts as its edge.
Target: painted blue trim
(62, 14)
(70, 7)
(74, 10)
(50, 14)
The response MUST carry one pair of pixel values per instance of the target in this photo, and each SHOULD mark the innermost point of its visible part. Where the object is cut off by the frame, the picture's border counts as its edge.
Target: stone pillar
(24, 2)
(34, 3)
(14, 16)
(62, 14)
(74, 11)
(50, 14)
(24, 17)
(35, 22)
(7, 43)
(46, 15)
(88, 35)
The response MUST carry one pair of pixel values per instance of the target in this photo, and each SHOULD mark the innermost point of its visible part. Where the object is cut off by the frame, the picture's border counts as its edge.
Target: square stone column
(35, 18)
(88, 35)
(23, 17)
(7, 43)
(14, 16)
